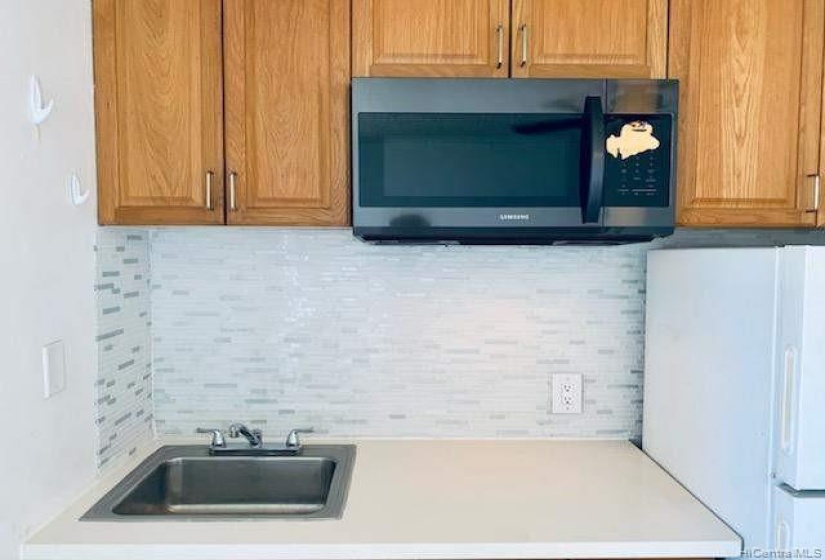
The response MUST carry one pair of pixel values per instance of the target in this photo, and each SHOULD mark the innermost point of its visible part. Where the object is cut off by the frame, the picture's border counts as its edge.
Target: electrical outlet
(567, 393)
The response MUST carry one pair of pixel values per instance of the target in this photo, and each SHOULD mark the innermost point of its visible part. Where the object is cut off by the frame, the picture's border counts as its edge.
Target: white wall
(46, 264)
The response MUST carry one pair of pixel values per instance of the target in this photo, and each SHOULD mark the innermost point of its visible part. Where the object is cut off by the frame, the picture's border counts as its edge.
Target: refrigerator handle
(782, 534)
(787, 424)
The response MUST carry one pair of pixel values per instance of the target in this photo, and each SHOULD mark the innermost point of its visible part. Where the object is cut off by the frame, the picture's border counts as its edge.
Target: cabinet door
(287, 73)
(158, 97)
(750, 75)
(448, 38)
(589, 38)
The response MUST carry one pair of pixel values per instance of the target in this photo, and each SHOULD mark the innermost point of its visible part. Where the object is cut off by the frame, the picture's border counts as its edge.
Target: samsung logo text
(514, 217)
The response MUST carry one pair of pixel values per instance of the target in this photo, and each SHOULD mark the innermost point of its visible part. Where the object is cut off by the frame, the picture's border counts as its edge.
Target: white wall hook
(40, 110)
(76, 192)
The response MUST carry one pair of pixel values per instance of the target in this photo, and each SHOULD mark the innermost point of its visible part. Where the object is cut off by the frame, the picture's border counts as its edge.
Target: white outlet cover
(54, 368)
(567, 393)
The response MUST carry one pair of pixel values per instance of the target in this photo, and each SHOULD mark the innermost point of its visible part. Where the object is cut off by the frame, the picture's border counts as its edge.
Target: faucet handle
(293, 441)
(218, 439)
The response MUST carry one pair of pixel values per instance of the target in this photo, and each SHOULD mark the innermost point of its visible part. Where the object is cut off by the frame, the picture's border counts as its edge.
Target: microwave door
(476, 170)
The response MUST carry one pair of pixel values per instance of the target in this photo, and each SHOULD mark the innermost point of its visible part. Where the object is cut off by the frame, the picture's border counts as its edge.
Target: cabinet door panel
(159, 111)
(751, 86)
(287, 93)
(458, 38)
(589, 38)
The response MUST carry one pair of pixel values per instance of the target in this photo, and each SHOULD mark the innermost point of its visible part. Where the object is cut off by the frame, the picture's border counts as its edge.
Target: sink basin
(206, 485)
(186, 483)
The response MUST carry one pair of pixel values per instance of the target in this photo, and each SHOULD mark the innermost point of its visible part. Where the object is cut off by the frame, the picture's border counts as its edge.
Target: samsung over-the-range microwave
(513, 161)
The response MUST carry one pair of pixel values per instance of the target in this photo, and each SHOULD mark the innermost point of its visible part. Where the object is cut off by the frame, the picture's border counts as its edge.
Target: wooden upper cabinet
(751, 98)
(589, 38)
(431, 38)
(287, 73)
(478, 38)
(159, 111)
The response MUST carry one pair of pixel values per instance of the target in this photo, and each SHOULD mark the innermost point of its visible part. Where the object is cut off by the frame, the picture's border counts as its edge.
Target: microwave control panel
(638, 160)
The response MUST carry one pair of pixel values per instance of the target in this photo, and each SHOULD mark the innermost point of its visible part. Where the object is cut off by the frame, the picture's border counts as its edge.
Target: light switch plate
(567, 393)
(54, 368)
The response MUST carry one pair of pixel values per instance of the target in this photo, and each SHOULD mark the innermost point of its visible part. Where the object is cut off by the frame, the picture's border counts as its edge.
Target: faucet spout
(254, 437)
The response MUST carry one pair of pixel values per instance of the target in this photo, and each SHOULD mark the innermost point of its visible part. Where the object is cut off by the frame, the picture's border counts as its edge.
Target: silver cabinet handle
(817, 191)
(210, 177)
(500, 33)
(524, 44)
(233, 194)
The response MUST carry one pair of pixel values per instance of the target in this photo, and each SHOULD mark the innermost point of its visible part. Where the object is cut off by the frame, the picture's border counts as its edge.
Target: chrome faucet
(254, 437)
(292, 445)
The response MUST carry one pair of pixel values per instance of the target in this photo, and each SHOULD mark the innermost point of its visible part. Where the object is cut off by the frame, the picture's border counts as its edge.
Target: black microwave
(513, 161)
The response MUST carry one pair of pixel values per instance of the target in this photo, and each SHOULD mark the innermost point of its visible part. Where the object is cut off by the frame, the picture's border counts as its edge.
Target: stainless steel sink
(187, 483)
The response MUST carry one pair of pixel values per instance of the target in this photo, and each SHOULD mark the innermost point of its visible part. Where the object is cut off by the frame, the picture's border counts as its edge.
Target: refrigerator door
(800, 397)
(711, 324)
(799, 524)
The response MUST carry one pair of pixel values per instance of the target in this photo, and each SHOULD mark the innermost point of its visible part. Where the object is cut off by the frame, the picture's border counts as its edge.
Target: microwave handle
(593, 148)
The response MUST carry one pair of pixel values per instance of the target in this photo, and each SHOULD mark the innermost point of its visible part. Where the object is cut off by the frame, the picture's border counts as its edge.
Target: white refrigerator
(734, 398)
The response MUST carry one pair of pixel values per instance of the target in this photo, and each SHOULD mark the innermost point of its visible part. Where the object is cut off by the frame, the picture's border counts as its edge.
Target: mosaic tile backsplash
(287, 328)
(283, 328)
(124, 342)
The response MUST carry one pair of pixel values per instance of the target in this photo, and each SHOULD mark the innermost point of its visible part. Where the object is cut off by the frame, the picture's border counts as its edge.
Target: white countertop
(437, 499)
